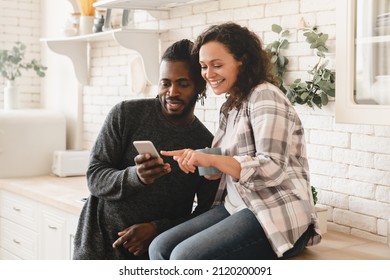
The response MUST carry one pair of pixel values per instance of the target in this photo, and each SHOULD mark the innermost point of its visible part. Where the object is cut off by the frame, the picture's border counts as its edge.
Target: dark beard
(187, 111)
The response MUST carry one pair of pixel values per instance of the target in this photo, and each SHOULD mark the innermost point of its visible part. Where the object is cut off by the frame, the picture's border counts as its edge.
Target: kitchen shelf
(144, 41)
(156, 5)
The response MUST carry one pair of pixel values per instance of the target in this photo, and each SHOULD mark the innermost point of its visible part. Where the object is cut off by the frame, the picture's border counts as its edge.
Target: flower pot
(322, 214)
(11, 96)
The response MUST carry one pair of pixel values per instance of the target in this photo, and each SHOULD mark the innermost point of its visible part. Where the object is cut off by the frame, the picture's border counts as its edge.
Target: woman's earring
(202, 97)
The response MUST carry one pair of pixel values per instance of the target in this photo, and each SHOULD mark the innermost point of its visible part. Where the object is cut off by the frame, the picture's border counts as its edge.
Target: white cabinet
(363, 62)
(53, 234)
(18, 227)
(56, 233)
(32, 230)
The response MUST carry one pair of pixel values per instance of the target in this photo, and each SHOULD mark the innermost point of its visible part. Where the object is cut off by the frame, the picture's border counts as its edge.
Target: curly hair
(182, 51)
(246, 47)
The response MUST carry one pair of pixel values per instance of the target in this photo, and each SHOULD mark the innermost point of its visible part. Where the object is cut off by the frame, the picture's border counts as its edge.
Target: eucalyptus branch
(12, 61)
(274, 49)
(321, 86)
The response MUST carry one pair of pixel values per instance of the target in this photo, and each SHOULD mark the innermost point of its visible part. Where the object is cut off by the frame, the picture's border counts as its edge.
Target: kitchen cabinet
(56, 232)
(18, 227)
(53, 234)
(363, 62)
(32, 230)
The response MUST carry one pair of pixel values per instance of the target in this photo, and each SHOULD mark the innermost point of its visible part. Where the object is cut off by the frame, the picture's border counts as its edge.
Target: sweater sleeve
(106, 179)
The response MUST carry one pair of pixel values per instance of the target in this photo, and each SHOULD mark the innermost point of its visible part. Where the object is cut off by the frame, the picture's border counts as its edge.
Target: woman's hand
(189, 159)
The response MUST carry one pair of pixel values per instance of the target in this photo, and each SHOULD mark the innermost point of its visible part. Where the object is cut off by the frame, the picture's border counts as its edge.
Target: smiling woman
(261, 138)
(219, 68)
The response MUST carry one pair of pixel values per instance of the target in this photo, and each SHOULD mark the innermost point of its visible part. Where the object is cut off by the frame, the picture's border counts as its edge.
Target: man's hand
(137, 238)
(149, 169)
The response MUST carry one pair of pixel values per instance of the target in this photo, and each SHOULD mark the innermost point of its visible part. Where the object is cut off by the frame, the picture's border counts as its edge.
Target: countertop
(65, 193)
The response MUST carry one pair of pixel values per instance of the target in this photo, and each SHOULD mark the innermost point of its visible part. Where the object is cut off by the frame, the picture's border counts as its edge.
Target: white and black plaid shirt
(274, 180)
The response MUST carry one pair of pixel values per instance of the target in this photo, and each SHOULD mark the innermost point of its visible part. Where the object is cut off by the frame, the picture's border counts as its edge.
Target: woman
(263, 208)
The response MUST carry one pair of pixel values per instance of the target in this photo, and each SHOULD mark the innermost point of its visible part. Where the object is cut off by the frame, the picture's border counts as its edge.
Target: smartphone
(144, 147)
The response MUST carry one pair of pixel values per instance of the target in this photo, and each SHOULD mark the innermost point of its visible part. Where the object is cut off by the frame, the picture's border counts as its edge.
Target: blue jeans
(218, 235)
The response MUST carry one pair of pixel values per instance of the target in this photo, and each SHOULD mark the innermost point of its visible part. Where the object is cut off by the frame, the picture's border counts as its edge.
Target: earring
(202, 97)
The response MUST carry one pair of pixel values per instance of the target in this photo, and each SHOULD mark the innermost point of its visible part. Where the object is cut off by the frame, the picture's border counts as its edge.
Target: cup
(86, 24)
(209, 170)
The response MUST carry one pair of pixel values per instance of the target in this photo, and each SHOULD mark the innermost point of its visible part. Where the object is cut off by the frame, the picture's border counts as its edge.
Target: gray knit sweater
(118, 199)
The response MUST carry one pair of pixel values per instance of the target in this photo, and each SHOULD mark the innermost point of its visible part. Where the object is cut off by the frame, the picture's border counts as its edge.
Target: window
(363, 62)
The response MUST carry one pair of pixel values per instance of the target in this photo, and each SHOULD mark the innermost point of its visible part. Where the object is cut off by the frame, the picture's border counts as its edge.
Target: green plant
(12, 61)
(274, 49)
(321, 86)
(314, 193)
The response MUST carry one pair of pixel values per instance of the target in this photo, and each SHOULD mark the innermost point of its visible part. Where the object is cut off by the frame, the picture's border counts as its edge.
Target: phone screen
(145, 146)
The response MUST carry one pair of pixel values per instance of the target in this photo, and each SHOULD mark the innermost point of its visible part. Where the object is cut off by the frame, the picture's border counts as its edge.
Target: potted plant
(11, 63)
(322, 212)
(321, 86)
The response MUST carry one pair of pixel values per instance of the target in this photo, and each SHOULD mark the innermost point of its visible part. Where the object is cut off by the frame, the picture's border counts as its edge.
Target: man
(135, 197)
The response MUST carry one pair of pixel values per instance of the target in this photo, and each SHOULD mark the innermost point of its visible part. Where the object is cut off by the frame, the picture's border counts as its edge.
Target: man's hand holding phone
(150, 166)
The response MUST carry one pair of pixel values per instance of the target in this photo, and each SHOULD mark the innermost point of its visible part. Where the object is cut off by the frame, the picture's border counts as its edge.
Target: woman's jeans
(218, 235)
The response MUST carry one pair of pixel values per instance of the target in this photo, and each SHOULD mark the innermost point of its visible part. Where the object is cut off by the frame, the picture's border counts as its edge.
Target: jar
(71, 25)
(75, 20)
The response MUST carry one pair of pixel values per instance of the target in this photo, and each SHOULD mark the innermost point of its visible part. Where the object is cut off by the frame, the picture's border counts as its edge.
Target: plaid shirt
(274, 179)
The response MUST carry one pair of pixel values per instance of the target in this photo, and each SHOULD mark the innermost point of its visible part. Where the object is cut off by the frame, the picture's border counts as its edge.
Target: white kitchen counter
(62, 193)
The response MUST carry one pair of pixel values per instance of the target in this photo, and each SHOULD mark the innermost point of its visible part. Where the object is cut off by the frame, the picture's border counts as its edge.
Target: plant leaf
(276, 28)
(285, 33)
(284, 44)
(324, 98)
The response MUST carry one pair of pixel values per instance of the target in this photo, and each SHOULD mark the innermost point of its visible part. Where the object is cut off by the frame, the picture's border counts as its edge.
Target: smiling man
(136, 197)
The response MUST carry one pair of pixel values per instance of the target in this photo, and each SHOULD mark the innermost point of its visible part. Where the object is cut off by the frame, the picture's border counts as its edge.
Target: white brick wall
(20, 21)
(349, 164)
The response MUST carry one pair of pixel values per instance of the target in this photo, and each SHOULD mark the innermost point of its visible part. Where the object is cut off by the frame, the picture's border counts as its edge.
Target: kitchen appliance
(28, 139)
(70, 163)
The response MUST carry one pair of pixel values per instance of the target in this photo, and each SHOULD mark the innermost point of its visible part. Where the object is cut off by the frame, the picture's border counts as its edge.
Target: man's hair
(182, 51)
